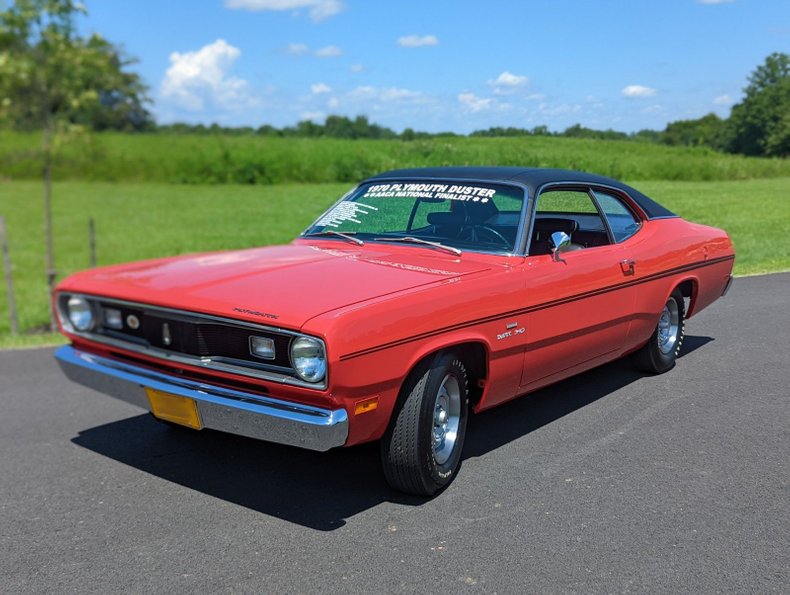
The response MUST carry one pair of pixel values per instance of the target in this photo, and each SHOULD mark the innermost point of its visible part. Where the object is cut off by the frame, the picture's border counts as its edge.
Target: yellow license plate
(179, 410)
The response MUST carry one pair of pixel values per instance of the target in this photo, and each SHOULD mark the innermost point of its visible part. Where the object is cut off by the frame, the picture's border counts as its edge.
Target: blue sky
(434, 65)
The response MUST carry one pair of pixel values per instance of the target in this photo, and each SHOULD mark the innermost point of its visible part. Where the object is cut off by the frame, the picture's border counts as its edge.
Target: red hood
(277, 285)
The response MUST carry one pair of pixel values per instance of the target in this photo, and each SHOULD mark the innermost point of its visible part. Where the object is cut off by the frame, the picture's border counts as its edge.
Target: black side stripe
(536, 307)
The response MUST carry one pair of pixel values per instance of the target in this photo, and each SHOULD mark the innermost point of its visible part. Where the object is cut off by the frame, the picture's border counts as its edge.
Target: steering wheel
(483, 233)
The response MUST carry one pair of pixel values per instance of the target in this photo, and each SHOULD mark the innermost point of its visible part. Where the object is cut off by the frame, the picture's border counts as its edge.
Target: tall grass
(218, 159)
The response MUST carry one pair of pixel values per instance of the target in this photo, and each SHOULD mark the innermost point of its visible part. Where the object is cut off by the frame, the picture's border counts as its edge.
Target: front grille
(177, 337)
(197, 337)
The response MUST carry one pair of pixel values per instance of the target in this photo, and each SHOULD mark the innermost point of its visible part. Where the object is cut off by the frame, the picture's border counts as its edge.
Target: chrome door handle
(627, 266)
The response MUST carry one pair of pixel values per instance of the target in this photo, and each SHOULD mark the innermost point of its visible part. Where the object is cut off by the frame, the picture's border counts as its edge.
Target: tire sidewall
(441, 474)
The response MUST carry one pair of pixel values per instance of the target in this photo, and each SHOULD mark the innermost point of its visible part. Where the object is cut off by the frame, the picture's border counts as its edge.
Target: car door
(580, 304)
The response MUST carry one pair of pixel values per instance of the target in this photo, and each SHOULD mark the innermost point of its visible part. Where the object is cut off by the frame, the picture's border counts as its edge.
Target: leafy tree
(706, 131)
(646, 135)
(579, 131)
(54, 80)
(541, 130)
(760, 124)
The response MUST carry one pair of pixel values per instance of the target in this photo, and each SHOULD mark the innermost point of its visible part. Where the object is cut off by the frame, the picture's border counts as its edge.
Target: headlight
(309, 359)
(80, 313)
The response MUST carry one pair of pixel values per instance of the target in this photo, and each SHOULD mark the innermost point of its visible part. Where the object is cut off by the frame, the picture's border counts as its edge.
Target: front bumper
(219, 408)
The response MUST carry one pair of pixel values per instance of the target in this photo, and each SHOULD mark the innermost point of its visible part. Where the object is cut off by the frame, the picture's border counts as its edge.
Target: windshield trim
(518, 246)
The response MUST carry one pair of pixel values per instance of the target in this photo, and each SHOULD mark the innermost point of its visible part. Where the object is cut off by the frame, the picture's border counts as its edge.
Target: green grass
(137, 221)
(219, 159)
(755, 213)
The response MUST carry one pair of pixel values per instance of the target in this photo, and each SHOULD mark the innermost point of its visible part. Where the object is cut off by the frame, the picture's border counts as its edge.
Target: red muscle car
(421, 295)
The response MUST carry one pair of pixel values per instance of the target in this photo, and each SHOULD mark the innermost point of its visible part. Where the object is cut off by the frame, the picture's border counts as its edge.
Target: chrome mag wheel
(446, 418)
(668, 327)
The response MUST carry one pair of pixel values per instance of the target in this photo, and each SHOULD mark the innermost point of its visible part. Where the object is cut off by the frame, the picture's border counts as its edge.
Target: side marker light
(366, 406)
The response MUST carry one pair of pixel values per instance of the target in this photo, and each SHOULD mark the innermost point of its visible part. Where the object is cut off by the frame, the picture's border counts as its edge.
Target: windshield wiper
(345, 235)
(413, 240)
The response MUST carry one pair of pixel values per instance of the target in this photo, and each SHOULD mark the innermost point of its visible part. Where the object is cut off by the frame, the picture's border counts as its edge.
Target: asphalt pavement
(609, 482)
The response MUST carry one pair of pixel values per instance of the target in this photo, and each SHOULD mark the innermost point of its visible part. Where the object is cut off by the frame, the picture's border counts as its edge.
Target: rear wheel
(661, 351)
(421, 450)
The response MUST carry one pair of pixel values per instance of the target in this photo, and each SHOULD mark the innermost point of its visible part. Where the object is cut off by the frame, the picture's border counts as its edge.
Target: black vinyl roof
(531, 177)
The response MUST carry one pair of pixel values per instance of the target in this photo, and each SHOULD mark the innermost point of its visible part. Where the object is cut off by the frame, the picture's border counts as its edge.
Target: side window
(566, 201)
(621, 220)
(570, 211)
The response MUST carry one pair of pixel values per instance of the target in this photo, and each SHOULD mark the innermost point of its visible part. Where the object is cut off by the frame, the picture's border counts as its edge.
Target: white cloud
(318, 9)
(330, 51)
(365, 90)
(559, 109)
(723, 100)
(333, 103)
(653, 109)
(395, 94)
(472, 102)
(319, 88)
(297, 49)
(387, 95)
(357, 68)
(508, 83)
(417, 41)
(197, 79)
(508, 79)
(313, 116)
(637, 91)
(714, 1)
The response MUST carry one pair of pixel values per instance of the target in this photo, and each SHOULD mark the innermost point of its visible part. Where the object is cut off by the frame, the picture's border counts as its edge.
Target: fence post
(92, 234)
(8, 279)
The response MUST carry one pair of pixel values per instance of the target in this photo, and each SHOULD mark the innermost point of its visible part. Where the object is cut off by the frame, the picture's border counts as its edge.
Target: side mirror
(559, 240)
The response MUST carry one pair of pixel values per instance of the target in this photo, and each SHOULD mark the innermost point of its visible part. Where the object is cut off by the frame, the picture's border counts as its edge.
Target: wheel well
(688, 290)
(474, 356)
(476, 360)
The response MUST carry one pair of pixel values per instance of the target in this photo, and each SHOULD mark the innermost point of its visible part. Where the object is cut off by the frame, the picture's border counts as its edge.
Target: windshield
(473, 216)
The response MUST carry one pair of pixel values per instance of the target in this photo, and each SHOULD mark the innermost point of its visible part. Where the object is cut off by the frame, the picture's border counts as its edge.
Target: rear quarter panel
(669, 252)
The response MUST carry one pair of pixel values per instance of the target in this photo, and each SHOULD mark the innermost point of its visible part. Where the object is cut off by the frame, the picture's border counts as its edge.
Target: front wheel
(421, 450)
(661, 351)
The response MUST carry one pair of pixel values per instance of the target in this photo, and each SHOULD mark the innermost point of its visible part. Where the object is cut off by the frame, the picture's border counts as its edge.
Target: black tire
(661, 351)
(411, 461)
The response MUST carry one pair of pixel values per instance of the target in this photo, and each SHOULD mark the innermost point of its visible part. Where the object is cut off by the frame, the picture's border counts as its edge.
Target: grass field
(136, 221)
(225, 159)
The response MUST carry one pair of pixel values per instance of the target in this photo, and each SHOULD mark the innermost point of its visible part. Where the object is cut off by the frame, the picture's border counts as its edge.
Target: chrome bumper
(220, 408)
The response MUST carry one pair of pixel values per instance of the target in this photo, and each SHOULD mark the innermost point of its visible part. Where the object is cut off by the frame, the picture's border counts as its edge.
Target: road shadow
(322, 490)
(692, 343)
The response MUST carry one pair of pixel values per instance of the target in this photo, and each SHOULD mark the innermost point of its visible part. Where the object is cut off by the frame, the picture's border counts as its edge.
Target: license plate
(179, 410)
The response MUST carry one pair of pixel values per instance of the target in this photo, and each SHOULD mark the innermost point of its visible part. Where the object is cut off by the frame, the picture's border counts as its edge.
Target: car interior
(484, 223)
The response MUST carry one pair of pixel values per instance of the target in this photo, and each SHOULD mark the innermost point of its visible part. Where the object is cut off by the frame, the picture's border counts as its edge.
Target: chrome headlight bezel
(77, 313)
(308, 359)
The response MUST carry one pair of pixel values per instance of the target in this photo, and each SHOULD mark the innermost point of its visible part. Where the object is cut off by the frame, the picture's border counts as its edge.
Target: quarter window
(621, 220)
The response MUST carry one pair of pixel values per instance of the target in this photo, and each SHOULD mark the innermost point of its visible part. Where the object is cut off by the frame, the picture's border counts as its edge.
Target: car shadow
(322, 490)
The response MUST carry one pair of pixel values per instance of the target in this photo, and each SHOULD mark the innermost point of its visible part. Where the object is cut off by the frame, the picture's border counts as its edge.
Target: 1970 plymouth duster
(420, 295)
